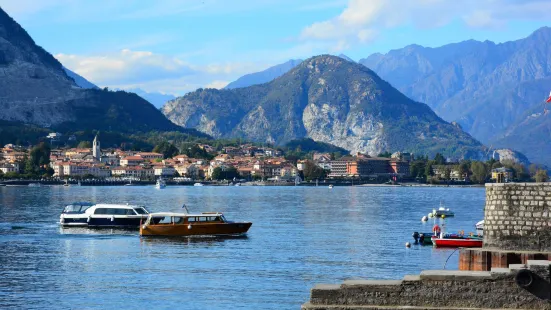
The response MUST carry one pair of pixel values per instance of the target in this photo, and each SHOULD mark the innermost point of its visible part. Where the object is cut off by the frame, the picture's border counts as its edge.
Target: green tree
(428, 170)
(312, 171)
(417, 169)
(541, 176)
(84, 145)
(464, 167)
(479, 172)
(385, 154)
(216, 174)
(167, 149)
(447, 173)
(439, 159)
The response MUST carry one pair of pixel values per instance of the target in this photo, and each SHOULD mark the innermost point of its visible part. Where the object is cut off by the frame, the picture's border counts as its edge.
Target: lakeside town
(248, 163)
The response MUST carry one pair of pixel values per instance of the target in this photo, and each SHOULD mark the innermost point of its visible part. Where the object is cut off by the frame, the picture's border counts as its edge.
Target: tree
(312, 171)
(439, 159)
(541, 176)
(385, 154)
(84, 145)
(479, 172)
(417, 169)
(216, 174)
(167, 149)
(447, 173)
(428, 169)
(463, 168)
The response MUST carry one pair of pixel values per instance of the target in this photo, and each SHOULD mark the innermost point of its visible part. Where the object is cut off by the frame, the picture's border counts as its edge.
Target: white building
(163, 171)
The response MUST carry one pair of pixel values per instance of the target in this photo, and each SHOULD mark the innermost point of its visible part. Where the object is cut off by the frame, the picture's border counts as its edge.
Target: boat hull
(457, 243)
(195, 229)
(123, 222)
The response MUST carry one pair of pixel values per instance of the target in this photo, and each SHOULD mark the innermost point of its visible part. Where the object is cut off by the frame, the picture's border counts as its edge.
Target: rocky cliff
(35, 89)
(328, 99)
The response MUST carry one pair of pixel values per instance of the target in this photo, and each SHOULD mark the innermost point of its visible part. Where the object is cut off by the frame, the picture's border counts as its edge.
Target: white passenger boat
(160, 183)
(85, 214)
(198, 184)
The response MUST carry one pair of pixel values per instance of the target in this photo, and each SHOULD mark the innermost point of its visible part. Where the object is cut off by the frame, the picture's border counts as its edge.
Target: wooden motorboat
(186, 224)
(457, 241)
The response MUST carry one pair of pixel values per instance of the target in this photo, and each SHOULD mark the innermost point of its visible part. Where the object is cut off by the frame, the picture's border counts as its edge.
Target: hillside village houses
(251, 162)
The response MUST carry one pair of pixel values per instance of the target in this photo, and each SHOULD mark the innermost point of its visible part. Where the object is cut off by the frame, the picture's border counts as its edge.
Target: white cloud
(128, 69)
(362, 20)
(217, 84)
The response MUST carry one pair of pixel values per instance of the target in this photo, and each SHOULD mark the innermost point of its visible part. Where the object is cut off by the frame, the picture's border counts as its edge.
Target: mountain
(35, 89)
(155, 98)
(530, 135)
(328, 99)
(343, 56)
(484, 86)
(264, 76)
(79, 80)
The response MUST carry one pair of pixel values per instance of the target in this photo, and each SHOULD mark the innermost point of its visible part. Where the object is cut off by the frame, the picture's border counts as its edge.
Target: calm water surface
(300, 236)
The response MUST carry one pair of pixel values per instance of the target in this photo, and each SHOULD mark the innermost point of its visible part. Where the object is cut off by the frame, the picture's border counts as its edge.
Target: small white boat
(160, 183)
(198, 184)
(480, 225)
(330, 186)
(446, 212)
(34, 185)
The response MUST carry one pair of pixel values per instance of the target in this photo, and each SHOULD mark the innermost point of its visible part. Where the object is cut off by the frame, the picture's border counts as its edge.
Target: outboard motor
(422, 238)
(416, 237)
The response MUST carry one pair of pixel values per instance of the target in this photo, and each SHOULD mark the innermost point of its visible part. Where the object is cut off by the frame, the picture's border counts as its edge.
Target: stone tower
(96, 151)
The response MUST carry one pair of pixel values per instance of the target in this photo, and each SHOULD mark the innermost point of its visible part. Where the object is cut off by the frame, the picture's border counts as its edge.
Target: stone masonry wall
(517, 216)
(441, 289)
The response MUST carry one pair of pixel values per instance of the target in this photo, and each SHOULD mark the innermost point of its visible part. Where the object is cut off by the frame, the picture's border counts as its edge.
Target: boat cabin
(95, 215)
(182, 218)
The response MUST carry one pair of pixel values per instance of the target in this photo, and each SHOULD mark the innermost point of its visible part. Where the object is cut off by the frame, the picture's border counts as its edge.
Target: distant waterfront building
(365, 166)
(502, 174)
(96, 150)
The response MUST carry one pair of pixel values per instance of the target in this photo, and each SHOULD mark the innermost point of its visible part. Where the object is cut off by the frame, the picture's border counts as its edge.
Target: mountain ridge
(35, 89)
(328, 99)
(484, 86)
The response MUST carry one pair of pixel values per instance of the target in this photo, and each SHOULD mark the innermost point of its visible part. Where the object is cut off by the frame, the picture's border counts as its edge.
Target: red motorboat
(457, 242)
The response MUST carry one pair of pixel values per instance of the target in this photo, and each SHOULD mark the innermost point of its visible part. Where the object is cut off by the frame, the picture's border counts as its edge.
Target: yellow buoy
(443, 216)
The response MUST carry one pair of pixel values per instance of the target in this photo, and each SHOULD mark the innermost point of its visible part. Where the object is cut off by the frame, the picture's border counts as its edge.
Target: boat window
(191, 219)
(140, 210)
(130, 212)
(164, 220)
(178, 220)
(110, 211)
(201, 219)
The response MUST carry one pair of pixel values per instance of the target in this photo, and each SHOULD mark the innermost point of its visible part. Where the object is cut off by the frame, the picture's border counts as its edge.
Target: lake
(300, 236)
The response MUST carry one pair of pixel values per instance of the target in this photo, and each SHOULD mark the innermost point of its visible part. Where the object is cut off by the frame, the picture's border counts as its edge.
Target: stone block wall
(440, 289)
(517, 216)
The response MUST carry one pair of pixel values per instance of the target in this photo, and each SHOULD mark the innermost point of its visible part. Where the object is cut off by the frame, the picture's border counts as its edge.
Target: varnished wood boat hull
(196, 229)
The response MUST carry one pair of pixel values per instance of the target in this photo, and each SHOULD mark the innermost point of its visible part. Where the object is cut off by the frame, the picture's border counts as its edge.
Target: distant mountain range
(492, 90)
(270, 74)
(328, 99)
(36, 89)
(264, 76)
(155, 98)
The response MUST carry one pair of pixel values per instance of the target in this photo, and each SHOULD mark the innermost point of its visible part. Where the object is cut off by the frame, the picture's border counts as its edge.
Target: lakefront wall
(517, 216)
(511, 271)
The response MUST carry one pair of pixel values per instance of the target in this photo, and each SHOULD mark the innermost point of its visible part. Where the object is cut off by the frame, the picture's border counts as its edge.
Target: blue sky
(176, 46)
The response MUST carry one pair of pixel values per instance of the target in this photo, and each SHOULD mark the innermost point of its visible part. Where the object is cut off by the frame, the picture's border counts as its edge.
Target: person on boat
(436, 230)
